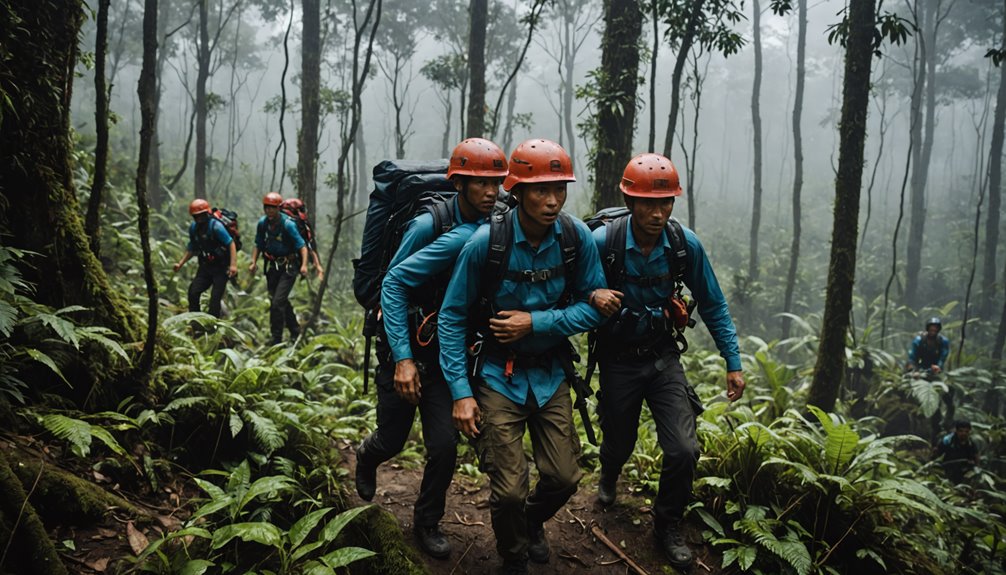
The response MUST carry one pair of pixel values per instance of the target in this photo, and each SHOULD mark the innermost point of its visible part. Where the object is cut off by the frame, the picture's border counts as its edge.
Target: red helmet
(292, 204)
(650, 176)
(272, 199)
(539, 160)
(477, 157)
(199, 206)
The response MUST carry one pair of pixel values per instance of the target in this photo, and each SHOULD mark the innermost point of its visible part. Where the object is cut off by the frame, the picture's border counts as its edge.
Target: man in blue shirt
(410, 297)
(527, 307)
(284, 250)
(638, 347)
(929, 349)
(217, 253)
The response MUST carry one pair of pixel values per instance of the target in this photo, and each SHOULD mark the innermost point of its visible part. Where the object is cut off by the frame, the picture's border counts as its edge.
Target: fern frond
(75, 431)
(266, 433)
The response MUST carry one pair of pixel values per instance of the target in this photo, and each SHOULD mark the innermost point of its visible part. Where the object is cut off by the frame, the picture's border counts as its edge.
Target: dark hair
(962, 424)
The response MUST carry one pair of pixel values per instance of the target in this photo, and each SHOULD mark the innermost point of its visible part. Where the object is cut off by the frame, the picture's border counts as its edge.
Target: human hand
(320, 271)
(303, 271)
(735, 385)
(509, 326)
(606, 301)
(407, 383)
(177, 266)
(935, 369)
(467, 416)
(232, 270)
(252, 267)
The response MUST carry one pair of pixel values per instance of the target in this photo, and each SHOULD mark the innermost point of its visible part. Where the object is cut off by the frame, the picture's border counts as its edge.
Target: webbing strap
(534, 276)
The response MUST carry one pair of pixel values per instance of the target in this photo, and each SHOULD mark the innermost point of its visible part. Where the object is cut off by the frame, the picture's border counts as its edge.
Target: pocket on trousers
(693, 399)
(484, 444)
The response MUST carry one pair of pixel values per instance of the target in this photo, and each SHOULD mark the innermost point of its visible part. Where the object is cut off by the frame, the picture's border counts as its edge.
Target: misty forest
(841, 162)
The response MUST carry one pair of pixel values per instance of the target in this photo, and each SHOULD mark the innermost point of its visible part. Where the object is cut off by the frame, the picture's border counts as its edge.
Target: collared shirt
(699, 279)
(212, 241)
(550, 326)
(924, 355)
(416, 263)
(280, 239)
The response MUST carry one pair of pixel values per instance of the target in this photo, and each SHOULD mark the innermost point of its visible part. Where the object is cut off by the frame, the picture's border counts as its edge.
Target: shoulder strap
(614, 252)
(500, 242)
(677, 257)
(443, 219)
(568, 241)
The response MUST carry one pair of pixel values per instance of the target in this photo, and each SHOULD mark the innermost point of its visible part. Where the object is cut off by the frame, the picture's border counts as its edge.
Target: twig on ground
(460, 559)
(583, 525)
(596, 530)
(468, 523)
(575, 558)
(702, 564)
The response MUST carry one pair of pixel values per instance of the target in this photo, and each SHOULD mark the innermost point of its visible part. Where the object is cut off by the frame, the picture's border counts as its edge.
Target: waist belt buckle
(533, 276)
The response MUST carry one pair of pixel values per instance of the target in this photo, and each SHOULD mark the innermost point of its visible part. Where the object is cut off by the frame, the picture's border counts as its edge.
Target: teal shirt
(699, 279)
(550, 326)
(280, 239)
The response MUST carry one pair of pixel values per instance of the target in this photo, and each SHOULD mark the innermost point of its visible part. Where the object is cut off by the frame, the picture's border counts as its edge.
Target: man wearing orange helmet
(217, 253)
(411, 294)
(529, 274)
(648, 259)
(284, 250)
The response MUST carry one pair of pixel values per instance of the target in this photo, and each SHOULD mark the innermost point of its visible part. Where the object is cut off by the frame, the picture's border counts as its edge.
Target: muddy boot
(432, 541)
(537, 548)
(606, 488)
(672, 542)
(366, 477)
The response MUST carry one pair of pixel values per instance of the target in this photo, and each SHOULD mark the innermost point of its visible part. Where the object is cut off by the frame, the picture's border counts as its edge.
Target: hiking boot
(432, 541)
(537, 548)
(606, 489)
(513, 567)
(673, 544)
(366, 477)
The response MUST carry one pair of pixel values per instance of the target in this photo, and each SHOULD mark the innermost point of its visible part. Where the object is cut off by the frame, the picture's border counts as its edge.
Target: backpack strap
(443, 219)
(500, 242)
(614, 252)
(677, 257)
(569, 239)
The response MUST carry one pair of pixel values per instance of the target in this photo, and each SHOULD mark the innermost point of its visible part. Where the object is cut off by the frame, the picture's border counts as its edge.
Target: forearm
(576, 318)
(254, 255)
(303, 257)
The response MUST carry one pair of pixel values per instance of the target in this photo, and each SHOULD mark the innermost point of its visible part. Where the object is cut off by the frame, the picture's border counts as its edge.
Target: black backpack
(303, 226)
(229, 219)
(613, 258)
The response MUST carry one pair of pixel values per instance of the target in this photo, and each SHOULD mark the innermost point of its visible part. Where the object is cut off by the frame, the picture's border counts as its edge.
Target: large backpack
(303, 225)
(613, 258)
(229, 219)
(402, 190)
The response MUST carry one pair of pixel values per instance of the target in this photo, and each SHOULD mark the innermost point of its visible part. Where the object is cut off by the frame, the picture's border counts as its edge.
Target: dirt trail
(574, 548)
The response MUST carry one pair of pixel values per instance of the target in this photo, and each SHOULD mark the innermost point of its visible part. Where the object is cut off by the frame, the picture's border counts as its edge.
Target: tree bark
(794, 249)
(694, 17)
(35, 171)
(756, 124)
(203, 74)
(655, 17)
(477, 68)
(154, 190)
(920, 175)
(616, 114)
(995, 190)
(146, 89)
(282, 110)
(92, 223)
(310, 106)
(27, 547)
(830, 367)
(511, 105)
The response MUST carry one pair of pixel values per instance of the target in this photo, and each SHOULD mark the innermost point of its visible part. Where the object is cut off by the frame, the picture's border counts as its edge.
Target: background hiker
(285, 252)
(210, 241)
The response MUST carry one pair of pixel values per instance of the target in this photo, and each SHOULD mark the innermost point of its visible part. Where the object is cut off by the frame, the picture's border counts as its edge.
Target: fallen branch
(468, 523)
(467, 549)
(596, 530)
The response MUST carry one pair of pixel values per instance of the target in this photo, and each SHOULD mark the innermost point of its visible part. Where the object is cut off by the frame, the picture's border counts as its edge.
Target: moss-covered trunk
(40, 209)
(26, 549)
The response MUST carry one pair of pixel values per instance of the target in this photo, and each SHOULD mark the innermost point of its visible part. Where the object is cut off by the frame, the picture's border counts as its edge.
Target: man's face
(482, 193)
(651, 214)
(932, 330)
(963, 433)
(542, 201)
(271, 212)
(201, 218)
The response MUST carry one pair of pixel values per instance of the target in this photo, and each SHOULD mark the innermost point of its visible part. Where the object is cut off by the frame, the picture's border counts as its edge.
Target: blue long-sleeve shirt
(923, 355)
(550, 326)
(699, 279)
(212, 241)
(411, 273)
(280, 239)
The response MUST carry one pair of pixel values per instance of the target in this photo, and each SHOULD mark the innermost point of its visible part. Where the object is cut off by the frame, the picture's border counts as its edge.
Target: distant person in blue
(513, 290)
(211, 243)
(411, 295)
(958, 451)
(285, 253)
(929, 350)
(639, 347)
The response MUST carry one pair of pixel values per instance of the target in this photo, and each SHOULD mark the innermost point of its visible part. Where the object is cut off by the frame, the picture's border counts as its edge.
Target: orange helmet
(293, 204)
(650, 176)
(477, 157)
(199, 206)
(539, 160)
(272, 199)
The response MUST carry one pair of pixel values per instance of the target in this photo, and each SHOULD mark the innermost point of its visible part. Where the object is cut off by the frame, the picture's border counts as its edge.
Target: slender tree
(794, 249)
(693, 21)
(616, 106)
(92, 223)
(310, 105)
(281, 146)
(651, 141)
(477, 68)
(830, 367)
(994, 188)
(202, 108)
(756, 125)
(146, 90)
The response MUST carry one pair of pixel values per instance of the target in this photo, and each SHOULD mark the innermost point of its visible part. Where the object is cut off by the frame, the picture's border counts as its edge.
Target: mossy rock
(378, 530)
(63, 498)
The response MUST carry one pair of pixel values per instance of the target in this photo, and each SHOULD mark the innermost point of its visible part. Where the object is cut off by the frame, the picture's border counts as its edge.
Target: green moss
(63, 498)
(33, 552)
(377, 530)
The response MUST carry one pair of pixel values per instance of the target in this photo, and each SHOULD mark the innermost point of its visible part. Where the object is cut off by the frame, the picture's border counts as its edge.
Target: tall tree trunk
(511, 105)
(92, 224)
(445, 141)
(655, 18)
(920, 175)
(616, 114)
(691, 29)
(154, 170)
(146, 89)
(997, 348)
(995, 190)
(310, 106)
(830, 367)
(203, 74)
(35, 171)
(568, 88)
(756, 124)
(477, 68)
(281, 146)
(794, 249)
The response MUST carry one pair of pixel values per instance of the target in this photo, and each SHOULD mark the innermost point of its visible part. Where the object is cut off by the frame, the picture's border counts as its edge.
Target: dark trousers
(279, 282)
(555, 446)
(394, 422)
(625, 383)
(208, 275)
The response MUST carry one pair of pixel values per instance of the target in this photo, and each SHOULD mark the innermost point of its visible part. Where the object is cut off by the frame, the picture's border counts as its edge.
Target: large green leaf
(345, 556)
(8, 317)
(196, 567)
(77, 432)
(240, 478)
(267, 433)
(64, 328)
(302, 528)
(840, 442)
(264, 486)
(47, 361)
(105, 437)
(335, 526)
(927, 393)
(257, 531)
